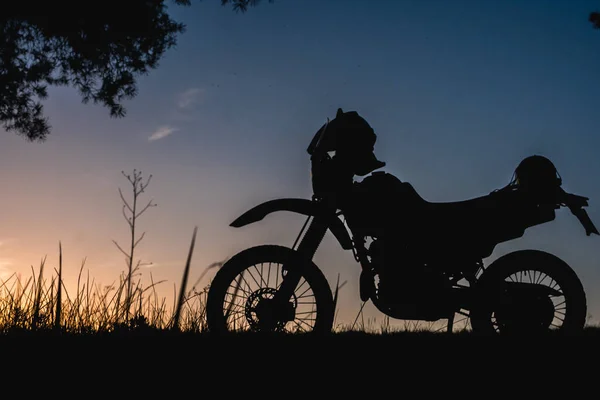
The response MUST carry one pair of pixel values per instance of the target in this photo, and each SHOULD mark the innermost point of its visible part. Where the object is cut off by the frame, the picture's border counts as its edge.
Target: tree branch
(140, 239)
(119, 247)
(128, 219)
(125, 201)
(145, 208)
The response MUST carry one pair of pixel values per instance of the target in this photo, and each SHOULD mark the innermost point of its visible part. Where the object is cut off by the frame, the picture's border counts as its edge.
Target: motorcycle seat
(462, 210)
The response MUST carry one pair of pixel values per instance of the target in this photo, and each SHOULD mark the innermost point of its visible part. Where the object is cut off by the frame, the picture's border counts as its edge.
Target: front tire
(236, 302)
(564, 313)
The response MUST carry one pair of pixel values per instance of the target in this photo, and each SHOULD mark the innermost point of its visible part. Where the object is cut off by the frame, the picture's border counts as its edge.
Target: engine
(377, 256)
(391, 256)
(403, 277)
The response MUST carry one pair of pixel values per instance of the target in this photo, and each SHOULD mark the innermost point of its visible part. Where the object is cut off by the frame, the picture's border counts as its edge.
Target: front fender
(300, 206)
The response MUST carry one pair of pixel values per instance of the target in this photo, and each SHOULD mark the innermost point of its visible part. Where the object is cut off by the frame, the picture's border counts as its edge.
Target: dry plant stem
(58, 290)
(131, 212)
(184, 282)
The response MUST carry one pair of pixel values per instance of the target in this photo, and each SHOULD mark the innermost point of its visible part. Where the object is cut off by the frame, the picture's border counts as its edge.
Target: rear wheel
(556, 303)
(240, 296)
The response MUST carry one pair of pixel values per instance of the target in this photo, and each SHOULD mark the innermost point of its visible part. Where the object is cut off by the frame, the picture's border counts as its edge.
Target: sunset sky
(458, 93)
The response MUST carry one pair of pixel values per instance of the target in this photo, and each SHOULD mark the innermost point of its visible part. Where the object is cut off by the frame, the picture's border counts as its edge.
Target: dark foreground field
(396, 347)
(167, 364)
(590, 333)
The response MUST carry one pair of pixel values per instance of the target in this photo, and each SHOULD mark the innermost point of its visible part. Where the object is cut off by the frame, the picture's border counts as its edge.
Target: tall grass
(43, 303)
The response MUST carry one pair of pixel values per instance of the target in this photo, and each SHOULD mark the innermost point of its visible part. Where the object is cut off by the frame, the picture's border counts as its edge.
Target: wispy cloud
(162, 132)
(5, 241)
(189, 98)
(186, 100)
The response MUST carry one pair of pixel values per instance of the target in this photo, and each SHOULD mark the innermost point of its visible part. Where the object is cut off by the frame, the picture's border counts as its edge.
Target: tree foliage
(241, 5)
(595, 19)
(97, 47)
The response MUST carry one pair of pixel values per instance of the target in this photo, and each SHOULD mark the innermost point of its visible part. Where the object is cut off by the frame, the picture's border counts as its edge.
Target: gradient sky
(458, 93)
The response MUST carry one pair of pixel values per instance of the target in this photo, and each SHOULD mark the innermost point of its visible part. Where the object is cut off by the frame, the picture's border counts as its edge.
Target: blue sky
(458, 93)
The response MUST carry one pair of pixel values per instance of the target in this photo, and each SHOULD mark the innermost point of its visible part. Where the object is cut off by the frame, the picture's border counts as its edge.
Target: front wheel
(239, 297)
(543, 294)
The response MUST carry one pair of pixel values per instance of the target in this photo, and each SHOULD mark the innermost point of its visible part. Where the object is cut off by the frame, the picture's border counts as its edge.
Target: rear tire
(570, 309)
(226, 313)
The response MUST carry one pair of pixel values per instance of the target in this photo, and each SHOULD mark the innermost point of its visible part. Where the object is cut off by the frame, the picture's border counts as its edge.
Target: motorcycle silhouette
(419, 260)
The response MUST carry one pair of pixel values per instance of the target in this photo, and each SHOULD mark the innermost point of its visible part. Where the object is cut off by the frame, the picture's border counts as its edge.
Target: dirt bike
(419, 260)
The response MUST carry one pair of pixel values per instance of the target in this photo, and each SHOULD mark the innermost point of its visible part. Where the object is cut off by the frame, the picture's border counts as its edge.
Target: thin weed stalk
(184, 282)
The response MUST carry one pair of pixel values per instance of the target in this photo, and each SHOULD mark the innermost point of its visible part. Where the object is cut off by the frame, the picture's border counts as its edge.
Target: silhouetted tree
(97, 47)
(241, 5)
(595, 19)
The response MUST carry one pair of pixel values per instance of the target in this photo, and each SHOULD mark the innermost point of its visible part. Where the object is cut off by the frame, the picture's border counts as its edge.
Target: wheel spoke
(253, 278)
(235, 293)
(553, 307)
(247, 301)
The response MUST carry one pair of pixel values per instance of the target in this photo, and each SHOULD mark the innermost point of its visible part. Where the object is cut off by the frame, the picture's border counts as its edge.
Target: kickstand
(450, 324)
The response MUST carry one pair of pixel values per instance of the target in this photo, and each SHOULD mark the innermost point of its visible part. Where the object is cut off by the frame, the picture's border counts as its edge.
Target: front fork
(306, 250)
